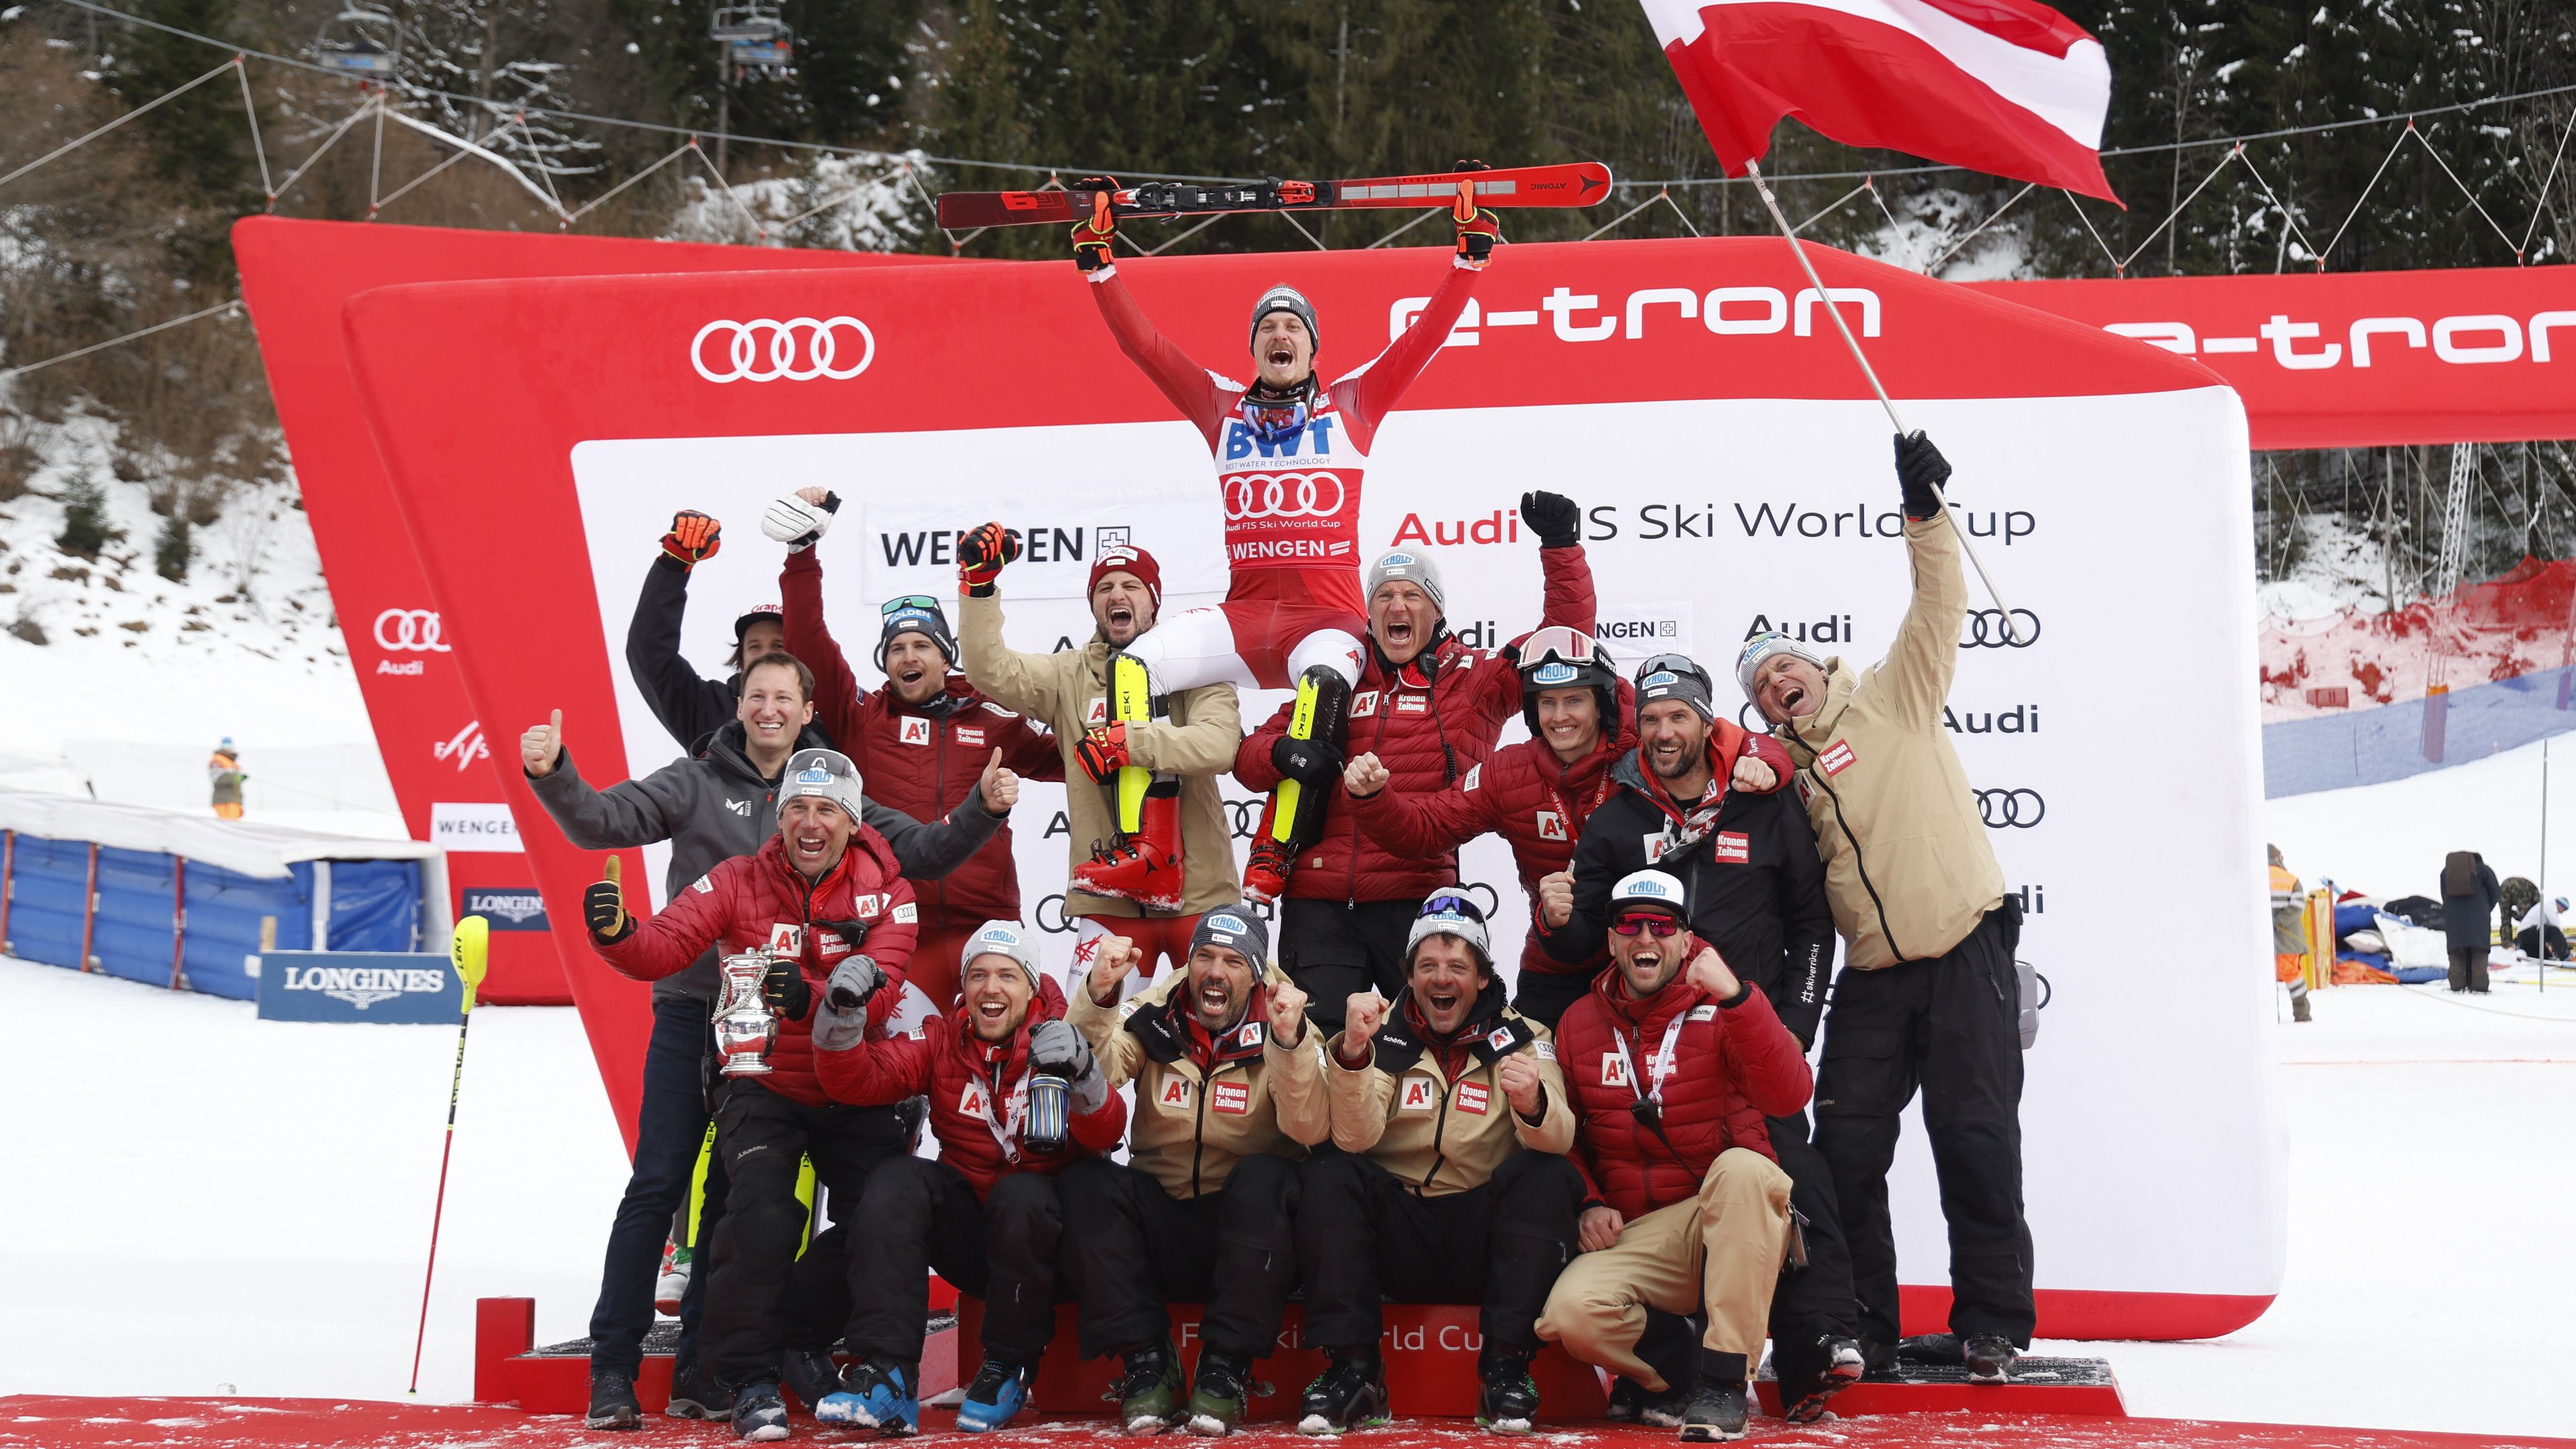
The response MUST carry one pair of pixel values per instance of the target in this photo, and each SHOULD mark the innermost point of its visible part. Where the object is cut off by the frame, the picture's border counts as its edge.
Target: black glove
(1312, 763)
(1057, 1050)
(1554, 518)
(1919, 468)
(853, 982)
(604, 908)
(785, 990)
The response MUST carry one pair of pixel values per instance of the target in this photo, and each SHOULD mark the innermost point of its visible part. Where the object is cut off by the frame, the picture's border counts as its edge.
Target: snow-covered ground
(2388, 840)
(209, 1203)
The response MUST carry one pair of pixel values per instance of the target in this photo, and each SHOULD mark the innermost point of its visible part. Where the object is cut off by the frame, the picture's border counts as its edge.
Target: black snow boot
(1811, 1378)
(612, 1401)
(809, 1374)
(1349, 1394)
(1509, 1399)
(1989, 1357)
(759, 1413)
(694, 1395)
(1717, 1410)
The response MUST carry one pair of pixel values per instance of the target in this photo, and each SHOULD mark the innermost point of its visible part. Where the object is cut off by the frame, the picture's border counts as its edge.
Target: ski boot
(1149, 1391)
(1145, 865)
(1509, 1399)
(1716, 1411)
(994, 1397)
(759, 1414)
(809, 1374)
(694, 1395)
(1294, 817)
(1833, 1365)
(612, 1401)
(1222, 1395)
(876, 1394)
(1989, 1357)
(674, 1280)
(1349, 1394)
(1633, 1403)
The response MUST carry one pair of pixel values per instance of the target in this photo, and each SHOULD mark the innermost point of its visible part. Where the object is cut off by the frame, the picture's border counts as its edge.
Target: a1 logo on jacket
(913, 729)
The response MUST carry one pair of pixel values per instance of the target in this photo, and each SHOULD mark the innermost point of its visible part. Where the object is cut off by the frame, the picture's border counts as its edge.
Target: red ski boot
(1144, 867)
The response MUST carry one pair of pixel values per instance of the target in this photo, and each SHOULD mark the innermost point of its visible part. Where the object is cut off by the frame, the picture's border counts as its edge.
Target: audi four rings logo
(1985, 630)
(799, 349)
(1282, 495)
(2019, 809)
(410, 631)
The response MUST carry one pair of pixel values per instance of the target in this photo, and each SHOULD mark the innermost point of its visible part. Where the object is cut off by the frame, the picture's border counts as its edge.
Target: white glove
(796, 523)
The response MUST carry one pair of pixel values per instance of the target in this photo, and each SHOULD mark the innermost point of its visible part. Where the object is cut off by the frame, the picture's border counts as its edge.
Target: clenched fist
(1365, 776)
(1752, 776)
(1708, 972)
(541, 746)
(1111, 961)
(1556, 898)
(1287, 1014)
(1360, 1021)
(1598, 1229)
(1518, 1074)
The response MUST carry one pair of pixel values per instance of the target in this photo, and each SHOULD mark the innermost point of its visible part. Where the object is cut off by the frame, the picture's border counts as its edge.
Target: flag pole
(2012, 632)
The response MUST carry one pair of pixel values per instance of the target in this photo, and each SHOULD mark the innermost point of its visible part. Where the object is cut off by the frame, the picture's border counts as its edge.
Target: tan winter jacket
(1068, 692)
(1189, 1127)
(1442, 1135)
(1908, 870)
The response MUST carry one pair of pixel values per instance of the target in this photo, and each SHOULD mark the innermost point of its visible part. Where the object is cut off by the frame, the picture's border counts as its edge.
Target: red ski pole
(471, 951)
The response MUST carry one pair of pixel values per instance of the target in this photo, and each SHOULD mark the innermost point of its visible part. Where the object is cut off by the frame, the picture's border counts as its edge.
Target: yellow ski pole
(472, 952)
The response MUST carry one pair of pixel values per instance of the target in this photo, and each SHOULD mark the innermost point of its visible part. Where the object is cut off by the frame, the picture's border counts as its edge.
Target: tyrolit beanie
(1414, 567)
(1762, 648)
(1675, 676)
(1126, 558)
(1002, 938)
(1237, 929)
(1285, 298)
(827, 773)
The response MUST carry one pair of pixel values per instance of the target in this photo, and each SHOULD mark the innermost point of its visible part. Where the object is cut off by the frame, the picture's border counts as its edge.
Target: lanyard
(1556, 802)
(1006, 1128)
(1660, 1065)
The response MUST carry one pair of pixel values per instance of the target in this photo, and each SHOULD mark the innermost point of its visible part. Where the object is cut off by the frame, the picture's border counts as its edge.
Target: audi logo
(1282, 495)
(410, 631)
(1244, 816)
(2017, 809)
(1985, 630)
(1052, 906)
(799, 349)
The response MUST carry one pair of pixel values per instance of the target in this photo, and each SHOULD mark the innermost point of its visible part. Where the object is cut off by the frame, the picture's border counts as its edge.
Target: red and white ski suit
(1292, 507)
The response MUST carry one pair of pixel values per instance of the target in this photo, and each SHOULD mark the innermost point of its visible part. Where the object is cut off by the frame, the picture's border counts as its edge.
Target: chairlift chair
(360, 42)
(755, 39)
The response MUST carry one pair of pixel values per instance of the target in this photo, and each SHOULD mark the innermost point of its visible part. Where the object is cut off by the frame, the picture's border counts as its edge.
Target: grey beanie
(1763, 647)
(1285, 298)
(827, 773)
(1002, 938)
(1413, 566)
(1675, 676)
(1237, 929)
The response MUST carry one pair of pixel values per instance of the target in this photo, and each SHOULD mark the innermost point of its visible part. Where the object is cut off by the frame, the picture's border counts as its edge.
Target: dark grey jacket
(718, 806)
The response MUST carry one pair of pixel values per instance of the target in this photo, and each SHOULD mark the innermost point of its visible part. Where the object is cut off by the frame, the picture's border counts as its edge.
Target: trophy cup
(745, 1028)
(1043, 1132)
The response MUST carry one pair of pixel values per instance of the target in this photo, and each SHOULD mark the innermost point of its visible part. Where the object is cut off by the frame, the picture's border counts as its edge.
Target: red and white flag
(2008, 87)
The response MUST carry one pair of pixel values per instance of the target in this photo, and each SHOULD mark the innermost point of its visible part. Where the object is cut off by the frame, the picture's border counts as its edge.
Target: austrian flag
(2008, 87)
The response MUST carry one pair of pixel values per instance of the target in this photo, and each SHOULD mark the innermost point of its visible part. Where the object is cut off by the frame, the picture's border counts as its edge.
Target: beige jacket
(1440, 1135)
(1068, 692)
(1190, 1127)
(1908, 869)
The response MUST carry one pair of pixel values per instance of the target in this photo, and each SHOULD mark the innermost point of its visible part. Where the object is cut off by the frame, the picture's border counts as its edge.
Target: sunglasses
(1657, 926)
(1445, 905)
(922, 602)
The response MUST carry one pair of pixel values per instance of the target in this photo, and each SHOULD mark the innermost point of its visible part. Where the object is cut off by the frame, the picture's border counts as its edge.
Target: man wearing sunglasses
(1674, 1063)
(1450, 1185)
(1755, 892)
(924, 740)
(1929, 995)
(1536, 795)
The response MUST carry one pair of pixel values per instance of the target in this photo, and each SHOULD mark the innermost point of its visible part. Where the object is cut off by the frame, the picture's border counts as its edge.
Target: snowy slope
(229, 1205)
(2388, 840)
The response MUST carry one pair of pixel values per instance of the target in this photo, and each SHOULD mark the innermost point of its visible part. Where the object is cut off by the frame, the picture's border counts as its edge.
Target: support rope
(14, 372)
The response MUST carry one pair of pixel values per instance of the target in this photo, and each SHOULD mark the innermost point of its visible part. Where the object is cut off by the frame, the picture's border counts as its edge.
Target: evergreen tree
(174, 548)
(85, 526)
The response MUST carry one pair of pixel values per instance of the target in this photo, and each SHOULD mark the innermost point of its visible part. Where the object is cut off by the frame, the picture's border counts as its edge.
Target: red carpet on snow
(81, 1423)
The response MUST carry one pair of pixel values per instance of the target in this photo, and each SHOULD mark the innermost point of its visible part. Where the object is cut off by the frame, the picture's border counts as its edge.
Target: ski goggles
(909, 603)
(1274, 422)
(1653, 923)
(1558, 656)
(1449, 913)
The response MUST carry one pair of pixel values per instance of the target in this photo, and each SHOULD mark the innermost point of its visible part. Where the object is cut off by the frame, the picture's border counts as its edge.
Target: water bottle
(1043, 1132)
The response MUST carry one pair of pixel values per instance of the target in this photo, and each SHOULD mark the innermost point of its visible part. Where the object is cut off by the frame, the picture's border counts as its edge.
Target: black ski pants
(760, 1136)
(1131, 1247)
(1546, 996)
(1335, 951)
(1815, 1300)
(1950, 1025)
(920, 1216)
(2468, 968)
(1365, 1236)
(670, 1128)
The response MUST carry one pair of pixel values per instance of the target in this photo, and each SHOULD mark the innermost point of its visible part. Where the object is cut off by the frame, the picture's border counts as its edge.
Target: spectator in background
(2470, 896)
(223, 769)
(2290, 934)
(689, 707)
(2537, 934)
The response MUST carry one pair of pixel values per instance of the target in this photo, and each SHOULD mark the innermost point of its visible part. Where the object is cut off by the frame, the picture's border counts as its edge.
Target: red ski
(1577, 183)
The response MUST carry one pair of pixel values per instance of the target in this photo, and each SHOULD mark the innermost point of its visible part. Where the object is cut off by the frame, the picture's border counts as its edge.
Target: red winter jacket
(1734, 1064)
(921, 762)
(745, 898)
(963, 1077)
(1429, 722)
(1536, 803)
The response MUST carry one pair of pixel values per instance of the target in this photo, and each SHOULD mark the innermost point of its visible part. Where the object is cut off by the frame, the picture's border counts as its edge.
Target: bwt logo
(364, 986)
(1580, 317)
(2467, 340)
(800, 349)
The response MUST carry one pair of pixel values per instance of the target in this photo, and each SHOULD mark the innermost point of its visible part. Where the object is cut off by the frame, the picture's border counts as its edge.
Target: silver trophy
(745, 1027)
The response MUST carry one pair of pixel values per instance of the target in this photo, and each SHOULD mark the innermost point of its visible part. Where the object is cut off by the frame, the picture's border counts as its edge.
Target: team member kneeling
(1450, 1187)
(1674, 1064)
(984, 1215)
(1229, 1094)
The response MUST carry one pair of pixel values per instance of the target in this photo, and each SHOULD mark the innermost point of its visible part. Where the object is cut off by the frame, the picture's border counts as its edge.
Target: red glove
(1103, 751)
(1092, 237)
(980, 556)
(693, 539)
(1478, 228)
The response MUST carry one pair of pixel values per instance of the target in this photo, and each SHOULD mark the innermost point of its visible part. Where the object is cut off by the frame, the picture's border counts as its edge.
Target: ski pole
(2012, 632)
(472, 951)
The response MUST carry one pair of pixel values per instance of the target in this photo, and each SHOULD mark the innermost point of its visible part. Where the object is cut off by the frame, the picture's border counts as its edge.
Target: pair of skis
(1579, 183)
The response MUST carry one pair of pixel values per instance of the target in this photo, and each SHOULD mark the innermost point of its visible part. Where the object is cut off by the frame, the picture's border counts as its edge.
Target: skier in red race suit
(1290, 452)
